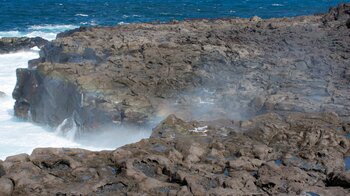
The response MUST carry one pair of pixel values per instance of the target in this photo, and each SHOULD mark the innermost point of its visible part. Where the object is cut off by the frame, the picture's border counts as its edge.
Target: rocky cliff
(285, 82)
(201, 69)
(13, 44)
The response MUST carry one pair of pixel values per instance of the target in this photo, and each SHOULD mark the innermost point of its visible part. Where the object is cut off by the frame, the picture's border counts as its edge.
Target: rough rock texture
(13, 44)
(295, 154)
(199, 69)
(288, 77)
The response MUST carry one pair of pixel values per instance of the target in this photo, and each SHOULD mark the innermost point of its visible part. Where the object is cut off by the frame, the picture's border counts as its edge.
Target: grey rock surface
(284, 82)
(294, 154)
(13, 44)
(200, 69)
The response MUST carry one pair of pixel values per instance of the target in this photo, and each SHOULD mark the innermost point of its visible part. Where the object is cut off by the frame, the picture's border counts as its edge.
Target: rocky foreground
(285, 81)
(295, 154)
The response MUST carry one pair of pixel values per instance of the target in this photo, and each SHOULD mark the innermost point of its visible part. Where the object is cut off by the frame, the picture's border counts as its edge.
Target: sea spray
(67, 129)
(18, 136)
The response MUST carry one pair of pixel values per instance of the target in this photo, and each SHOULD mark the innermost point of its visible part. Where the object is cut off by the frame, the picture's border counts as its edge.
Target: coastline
(285, 78)
(121, 75)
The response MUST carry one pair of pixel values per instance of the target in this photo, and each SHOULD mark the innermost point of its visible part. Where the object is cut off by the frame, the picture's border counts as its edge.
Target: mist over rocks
(268, 155)
(197, 69)
(13, 44)
(258, 107)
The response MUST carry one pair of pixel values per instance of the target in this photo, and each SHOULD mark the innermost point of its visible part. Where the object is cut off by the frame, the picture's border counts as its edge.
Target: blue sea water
(47, 17)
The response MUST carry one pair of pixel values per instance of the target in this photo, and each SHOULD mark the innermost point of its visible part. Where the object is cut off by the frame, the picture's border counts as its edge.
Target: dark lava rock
(339, 179)
(340, 12)
(198, 69)
(197, 158)
(24, 92)
(13, 44)
(284, 82)
(2, 171)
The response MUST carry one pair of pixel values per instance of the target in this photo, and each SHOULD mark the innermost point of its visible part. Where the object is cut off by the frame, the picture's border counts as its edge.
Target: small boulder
(255, 19)
(20, 158)
(338, 13)
(6, 187)
(172, 127)
(246, 163)
(13, 44)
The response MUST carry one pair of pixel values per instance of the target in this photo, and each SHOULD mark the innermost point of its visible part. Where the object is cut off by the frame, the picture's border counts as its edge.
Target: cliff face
(294, 69)
(199, 69)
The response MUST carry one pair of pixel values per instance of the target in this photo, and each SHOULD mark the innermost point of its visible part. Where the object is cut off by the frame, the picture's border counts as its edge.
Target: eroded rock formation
(295, 154)
(13, 44)
(199, 69)
(286, 79)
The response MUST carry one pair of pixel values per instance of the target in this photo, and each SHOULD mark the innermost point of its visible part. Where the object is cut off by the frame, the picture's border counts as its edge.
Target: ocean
(46, 18)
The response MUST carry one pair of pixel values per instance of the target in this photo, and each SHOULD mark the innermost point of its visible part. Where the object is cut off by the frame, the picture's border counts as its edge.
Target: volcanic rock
(293, 154)
(340, 13)
(6, 187)
(258, 108)
(13, 44)
(339, 179)
(198, 69)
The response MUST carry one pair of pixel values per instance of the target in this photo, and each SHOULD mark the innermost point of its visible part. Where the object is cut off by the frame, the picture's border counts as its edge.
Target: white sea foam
(35, 48)
(48, 32)
(10, 34)
(45, 35)
(122, 23)
(82, 15)
(55, 28)
(277, 5)
(18, 136)
(67, 129)
(93, 22)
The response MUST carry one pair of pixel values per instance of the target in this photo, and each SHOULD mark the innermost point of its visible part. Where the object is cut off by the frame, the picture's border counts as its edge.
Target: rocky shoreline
(14, 44)
(200, 70)
(295, 154)
(284, 81)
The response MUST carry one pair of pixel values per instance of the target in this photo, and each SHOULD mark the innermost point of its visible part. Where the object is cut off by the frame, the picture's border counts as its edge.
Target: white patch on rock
(200, 129)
